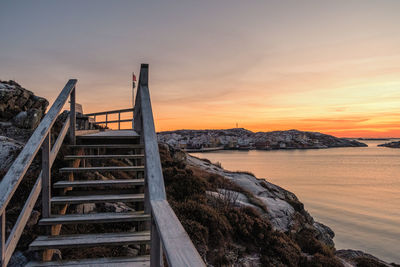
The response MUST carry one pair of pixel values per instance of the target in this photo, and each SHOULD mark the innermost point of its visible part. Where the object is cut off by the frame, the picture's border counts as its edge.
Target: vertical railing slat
(72, 118)
(156, 255)
(119, 120)
(3, 238)
(46, 177)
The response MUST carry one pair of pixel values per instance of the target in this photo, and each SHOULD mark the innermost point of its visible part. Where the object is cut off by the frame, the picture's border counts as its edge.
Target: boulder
(28, 119)
(20, 105)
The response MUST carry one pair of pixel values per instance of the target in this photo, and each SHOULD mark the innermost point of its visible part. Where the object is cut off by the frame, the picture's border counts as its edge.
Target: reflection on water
(355, 191)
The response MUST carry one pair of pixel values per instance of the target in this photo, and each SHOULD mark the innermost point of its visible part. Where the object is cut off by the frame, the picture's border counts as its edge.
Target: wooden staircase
(153, 225)
(98, 149)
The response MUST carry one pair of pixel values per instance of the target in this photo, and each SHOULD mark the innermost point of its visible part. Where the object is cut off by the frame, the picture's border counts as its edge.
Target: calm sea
(355, 191)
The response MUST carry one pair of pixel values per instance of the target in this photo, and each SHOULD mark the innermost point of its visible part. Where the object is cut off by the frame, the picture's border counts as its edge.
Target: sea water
(355, 191)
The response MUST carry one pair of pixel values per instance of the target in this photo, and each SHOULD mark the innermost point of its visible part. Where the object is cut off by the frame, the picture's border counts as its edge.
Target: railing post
(3, 238)
(119, 120)
(106, 119)
(46, 177)
(156, 256)
(72, 114)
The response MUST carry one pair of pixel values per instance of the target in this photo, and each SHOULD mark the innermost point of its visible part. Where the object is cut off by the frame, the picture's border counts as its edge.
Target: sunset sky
(328, 66)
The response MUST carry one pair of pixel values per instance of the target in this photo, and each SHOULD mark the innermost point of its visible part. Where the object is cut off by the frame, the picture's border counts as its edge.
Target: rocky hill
(239, 138)
(395, 144)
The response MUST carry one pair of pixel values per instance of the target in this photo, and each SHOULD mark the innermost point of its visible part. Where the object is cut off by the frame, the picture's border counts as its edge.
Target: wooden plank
(139, 261)
(120, 134)
(96, 183)
(137, 156)
(21, 164)
(108, 146)
(46, 177)
(109, 217)
(179, 249)
(97, 199)
(79, 133)
(154, 174)
(90, 240)
(108, 168)
(110, 112)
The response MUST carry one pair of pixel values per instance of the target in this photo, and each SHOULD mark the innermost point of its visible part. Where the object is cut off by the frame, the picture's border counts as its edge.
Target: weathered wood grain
(109, 217)
(97, 199)
(179, 249)
(97, 183)
(132, 146)
(108, 168)
(154, 174)
(138, 156)
(88, 240)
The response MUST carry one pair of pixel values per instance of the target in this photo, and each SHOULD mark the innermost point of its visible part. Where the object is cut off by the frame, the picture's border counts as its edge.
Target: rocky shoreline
(242, 139)
(283, 209)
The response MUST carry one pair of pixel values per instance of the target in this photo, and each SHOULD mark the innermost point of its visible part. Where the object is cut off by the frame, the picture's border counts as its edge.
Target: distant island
(242, 139)
(395, 144)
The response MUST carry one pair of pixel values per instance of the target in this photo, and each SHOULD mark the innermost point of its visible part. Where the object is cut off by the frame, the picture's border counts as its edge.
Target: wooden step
(90, 240)
(71, 157)
(107, 217)
(140, 261)
(108, 146)
(96, 183)
(97, 199)
(108, 168)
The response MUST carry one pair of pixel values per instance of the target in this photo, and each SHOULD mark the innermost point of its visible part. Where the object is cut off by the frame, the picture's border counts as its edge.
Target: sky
(327, 66)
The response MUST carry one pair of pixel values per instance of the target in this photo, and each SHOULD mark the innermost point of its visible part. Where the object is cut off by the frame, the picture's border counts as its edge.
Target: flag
(133, 77)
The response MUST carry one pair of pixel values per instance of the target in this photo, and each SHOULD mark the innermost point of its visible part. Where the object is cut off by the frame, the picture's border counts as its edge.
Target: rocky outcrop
(20, 106)
(395, 144)
(283, 209)
(240, 138)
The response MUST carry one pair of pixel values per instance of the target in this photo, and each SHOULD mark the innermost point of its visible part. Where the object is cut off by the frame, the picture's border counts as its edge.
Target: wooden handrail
(110, 112)
(16, 172)
(166, 232)
(106, 122)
